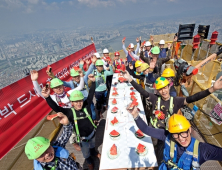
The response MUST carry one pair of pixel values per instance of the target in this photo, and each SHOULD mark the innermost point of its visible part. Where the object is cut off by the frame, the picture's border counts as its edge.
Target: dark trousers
(109, 82)
(100, 99)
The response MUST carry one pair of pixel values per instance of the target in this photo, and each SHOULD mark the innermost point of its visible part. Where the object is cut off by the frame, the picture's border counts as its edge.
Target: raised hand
(218, 84)
(134, 112)
(137, 40)
(45, 92)
(169, 45)
(34, 75)
(87, 62)
(81, 62)
(91, 77)
(50, 74)
(63, 119)
(151, 38)
(93, 59)
(130, 66)
(127, 76)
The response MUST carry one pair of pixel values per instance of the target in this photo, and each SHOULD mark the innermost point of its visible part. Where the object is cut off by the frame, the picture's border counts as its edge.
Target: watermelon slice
(115, 93)
(131, 88)
(141, 149)
(114, 88)
(133, 104)
(51, 117)
(122, 79)
(113, 150)
(139, 134)
(114, 110)
(114, 121)
(133, 98)
(114, 133)
(132, 93)
(114, 101)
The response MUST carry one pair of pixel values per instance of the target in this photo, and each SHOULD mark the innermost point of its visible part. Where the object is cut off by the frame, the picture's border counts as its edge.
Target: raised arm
(143, 58)
(198, 96)
(124, 49)
(137, 46)
(34, 78)
(92, 89)
(138, 87)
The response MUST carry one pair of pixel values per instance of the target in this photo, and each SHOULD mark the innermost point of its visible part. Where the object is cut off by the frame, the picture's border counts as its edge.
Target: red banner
(21, 108)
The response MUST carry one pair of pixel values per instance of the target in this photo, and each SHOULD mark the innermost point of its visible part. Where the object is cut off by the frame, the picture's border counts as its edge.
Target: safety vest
(78, 118)
(162, 123)
(147, 53)
(60, 103)
(141, 82)
(162, 53)
(60, 153)
(99, 79)
(188, 160)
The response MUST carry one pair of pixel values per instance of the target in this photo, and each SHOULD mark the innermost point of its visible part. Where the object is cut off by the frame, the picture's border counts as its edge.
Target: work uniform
(129, 56)
(62, 159)
(86, 128)
(183, 156)
(101, 87)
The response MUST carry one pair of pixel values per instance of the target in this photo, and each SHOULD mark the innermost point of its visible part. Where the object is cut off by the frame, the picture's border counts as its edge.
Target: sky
(24, 16)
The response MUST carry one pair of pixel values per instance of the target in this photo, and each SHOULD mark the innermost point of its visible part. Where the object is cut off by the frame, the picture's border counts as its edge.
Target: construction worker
(96, 56)
(52, 156)
(169, 74)
(181, 151)
(117, 63)
(154, 59)
(148, 48)
(108, 61)
(164, 105)
(80, 117)
(101, 87)
(60, 96)
(129, 54)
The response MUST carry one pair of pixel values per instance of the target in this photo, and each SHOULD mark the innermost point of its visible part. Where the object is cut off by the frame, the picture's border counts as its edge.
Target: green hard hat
(55, 83)
(74, 73)
(99, 63)
(76, 95)
(155, 50)
(36, 146)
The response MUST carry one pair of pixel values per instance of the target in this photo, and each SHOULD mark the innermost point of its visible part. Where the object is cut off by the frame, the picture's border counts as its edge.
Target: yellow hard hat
(144, 66)
(178, 123)
(161, 82)
(138, 63)
(168, 72)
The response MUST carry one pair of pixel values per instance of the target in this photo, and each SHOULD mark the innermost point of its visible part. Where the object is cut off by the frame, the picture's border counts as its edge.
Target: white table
(127, 142)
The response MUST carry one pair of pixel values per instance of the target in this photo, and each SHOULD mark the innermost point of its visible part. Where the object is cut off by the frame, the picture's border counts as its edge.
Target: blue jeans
(93, 111)
(100, 99)
(86, 146)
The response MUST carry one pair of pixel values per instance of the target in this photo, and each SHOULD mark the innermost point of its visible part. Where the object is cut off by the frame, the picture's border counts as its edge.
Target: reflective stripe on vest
(187, 161)
(54, 167)
(78, 118)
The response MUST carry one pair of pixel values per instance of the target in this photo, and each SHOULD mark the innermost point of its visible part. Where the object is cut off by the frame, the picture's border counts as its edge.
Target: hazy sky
(28, 15)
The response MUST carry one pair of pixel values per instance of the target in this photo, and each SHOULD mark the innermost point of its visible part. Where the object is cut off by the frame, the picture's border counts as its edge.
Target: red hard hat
(117, 53)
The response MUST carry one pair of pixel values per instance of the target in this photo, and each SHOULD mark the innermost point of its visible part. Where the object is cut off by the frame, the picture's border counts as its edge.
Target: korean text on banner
(21, 108)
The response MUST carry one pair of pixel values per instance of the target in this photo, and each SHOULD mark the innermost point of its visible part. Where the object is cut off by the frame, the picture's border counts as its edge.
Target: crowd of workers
(76, 111)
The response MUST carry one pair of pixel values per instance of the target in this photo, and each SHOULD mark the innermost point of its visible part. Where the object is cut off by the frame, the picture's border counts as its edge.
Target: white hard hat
(105, 51)
(97, 55)
(131, 45)
(162, 42)
(147, 44)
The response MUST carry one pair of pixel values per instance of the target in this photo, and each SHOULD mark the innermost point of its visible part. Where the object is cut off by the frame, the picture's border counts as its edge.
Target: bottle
(195, 108)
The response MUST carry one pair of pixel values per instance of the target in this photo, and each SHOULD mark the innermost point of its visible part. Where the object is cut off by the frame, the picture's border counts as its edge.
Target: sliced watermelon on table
(141, 148)
(122, 79)
(139, 134)
(115, 93)
(132, 97)
(114, 110)
(131, 88)
(114, 101)
(132, 93)
(113, 150)
(114, 133)
(114, 88)
(133, 104)
(114, 121)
